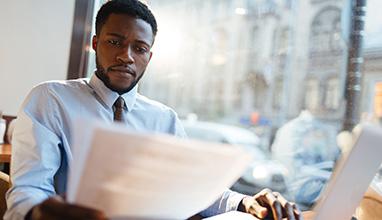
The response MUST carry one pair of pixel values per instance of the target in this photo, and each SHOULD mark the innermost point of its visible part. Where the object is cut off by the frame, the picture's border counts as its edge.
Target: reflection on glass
(258, 65)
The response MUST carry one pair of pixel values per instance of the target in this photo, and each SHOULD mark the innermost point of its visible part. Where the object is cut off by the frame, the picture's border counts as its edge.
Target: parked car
(263, 172)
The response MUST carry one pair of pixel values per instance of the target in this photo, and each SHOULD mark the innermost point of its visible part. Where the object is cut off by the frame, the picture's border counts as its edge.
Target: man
(125, 33)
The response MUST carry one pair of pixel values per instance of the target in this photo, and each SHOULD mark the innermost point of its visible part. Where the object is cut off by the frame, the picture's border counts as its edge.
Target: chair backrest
(8, 119)
(4, 186)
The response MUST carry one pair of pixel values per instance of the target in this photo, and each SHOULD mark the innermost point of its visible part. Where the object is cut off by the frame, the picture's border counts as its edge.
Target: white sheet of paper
(127, 174)
(233, 215)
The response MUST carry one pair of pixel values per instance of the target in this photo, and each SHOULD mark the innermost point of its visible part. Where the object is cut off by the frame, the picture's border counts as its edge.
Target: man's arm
(35, 155)
(229, 201)
(264, 204)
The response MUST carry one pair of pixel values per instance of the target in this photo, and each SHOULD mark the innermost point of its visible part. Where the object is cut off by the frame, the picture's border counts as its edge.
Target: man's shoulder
(59, 85)
(63, 83)
(158, 116)
(143, 102)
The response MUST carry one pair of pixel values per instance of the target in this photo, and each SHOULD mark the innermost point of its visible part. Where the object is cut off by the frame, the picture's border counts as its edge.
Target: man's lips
(123, 71)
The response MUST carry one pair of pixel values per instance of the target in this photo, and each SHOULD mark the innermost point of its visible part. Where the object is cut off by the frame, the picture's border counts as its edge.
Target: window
(219, 46)
(284, 40)
(326, 31)
(258, 65)
(312, 95)
(332, 94)
(277, 93)
(260, 87)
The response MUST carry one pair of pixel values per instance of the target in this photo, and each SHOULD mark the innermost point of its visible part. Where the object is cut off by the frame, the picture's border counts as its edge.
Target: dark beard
(101, 74)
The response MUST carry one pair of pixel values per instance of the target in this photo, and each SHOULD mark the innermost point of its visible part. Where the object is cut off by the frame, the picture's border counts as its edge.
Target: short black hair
(134, 8)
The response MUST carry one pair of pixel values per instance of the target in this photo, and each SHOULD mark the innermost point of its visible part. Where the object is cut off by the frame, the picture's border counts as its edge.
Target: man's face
(122, 51)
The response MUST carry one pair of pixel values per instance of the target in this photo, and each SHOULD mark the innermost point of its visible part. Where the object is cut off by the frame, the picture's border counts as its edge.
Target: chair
(4, 186)
(8, 120)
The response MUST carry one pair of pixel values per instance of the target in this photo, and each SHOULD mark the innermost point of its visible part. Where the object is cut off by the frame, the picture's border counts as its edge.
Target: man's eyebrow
(116, 35)
(123, 37)
(143, 42)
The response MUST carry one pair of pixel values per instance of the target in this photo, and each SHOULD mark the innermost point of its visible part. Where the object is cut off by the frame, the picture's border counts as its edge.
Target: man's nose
(126, 55)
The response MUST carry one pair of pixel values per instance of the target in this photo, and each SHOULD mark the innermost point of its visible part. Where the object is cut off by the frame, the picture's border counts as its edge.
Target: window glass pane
(270, 72)
(91, 53)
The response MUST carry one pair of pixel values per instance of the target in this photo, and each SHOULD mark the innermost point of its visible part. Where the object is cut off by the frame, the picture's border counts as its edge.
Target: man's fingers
(287, 206)
(84, 212)
(267, 199)
(257, 210)
(290, 209)
(57, 207)
(275, 206)
(254, 208)
(297, 212)
(50, 205)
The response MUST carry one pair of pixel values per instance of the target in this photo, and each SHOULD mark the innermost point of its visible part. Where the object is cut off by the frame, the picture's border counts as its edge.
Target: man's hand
(56, 208)
(270, 205)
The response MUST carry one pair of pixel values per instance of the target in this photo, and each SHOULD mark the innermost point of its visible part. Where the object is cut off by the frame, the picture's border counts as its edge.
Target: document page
(233, 215)
(126, 174)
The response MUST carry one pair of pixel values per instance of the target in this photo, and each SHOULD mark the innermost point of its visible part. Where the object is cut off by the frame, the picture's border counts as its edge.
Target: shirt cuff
(234, 201)
(228, 201)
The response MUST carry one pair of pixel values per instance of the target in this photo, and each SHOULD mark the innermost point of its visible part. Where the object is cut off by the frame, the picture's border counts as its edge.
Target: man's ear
(94, 42)
(151, 54)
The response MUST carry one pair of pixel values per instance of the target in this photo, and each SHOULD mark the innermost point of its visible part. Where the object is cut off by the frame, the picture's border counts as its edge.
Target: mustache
(121, 67)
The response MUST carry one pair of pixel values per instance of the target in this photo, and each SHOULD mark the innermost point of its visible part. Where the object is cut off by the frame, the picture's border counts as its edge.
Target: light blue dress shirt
(42, 137)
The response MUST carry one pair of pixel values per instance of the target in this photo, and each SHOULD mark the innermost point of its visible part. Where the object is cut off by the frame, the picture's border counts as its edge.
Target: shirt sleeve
(229, 201)
(35, 154)
(173, 124)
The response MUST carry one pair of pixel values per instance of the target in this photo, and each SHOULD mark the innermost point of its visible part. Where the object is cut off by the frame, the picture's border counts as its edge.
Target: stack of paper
(126, 174)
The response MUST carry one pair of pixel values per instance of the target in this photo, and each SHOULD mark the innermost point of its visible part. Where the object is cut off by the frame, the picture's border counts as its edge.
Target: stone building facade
(232, 58)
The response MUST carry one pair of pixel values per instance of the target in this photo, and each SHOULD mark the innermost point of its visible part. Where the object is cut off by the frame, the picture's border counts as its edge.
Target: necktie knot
(118, 109)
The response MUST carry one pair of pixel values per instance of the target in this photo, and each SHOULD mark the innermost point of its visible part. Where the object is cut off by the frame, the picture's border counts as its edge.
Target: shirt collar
(108, 96)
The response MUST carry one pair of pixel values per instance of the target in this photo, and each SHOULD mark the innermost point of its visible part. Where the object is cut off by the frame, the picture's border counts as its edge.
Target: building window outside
(326, 31)
(277, 94)
(284, 41)
(336, 40)
(332, 94)
(219, 47)
(312, 95)
(260, 91)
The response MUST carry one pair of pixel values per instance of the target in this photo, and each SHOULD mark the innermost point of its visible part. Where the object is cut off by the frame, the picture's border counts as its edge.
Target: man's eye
(141, 49)
(114, 42)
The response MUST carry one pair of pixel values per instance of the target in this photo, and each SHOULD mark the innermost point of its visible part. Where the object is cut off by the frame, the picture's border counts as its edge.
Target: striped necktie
(118, 109)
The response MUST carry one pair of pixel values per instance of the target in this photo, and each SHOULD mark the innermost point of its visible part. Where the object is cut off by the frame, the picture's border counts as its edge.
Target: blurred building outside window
(312, 97)
(277, 93)
(326, 31)
(257, 64)
(332, 95)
